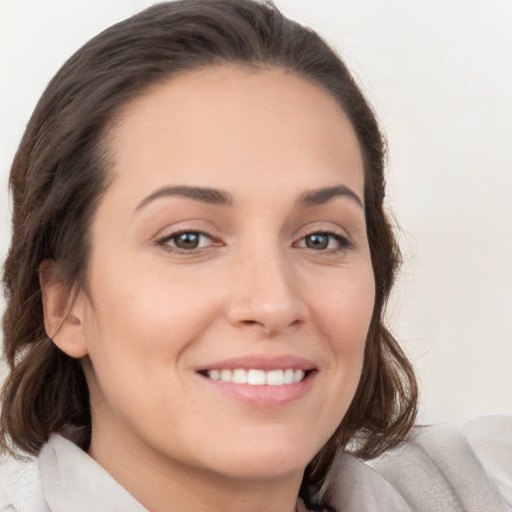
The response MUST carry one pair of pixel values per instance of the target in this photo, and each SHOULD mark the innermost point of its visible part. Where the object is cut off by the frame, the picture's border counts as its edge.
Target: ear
(63, 310)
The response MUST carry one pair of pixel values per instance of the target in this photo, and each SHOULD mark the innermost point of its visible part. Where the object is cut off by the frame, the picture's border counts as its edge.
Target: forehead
(225, 123)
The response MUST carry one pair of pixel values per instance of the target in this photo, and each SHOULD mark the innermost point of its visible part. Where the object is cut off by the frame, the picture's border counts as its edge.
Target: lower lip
(264, 396)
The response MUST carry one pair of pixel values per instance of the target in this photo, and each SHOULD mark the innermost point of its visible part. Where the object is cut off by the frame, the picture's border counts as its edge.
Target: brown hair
(61, 171)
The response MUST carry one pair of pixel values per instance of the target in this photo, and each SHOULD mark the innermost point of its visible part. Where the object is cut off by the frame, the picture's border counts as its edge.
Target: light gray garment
(442, 469)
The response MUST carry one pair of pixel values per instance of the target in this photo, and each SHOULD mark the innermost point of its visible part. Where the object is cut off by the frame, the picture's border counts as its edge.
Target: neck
(165, 485)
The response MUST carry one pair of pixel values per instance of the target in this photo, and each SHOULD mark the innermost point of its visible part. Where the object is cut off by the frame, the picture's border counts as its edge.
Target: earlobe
(63, 313)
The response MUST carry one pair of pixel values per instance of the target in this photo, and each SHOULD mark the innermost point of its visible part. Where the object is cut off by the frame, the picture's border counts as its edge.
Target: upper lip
(259, 362)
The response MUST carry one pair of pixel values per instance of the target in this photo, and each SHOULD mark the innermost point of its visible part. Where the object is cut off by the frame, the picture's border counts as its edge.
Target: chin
(264, 467)
(267, 457)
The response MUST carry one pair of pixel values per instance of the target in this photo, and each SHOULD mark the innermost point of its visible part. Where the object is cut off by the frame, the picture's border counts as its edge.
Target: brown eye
(187, 240)
(328, 242)
(317, 241)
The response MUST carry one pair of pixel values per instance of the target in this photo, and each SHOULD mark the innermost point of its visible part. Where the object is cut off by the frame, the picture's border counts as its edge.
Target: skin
(256, 286)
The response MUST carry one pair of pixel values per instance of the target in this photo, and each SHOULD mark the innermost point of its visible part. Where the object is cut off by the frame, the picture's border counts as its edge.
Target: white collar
(74, 481)
(438, 468)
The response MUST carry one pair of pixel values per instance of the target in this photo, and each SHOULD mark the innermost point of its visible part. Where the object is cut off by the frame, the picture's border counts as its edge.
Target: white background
(439, 73)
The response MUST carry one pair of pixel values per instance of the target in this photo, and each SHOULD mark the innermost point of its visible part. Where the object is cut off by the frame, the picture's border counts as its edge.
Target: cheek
(345, 310)
(146, 318)
(136, 334)
(344, 314)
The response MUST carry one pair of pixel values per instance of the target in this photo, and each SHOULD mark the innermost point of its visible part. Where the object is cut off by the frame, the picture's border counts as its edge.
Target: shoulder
(20, 486)
(454, 469)
(441, 469)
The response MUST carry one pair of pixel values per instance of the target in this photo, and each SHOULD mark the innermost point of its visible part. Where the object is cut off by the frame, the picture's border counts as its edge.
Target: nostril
(250, 322)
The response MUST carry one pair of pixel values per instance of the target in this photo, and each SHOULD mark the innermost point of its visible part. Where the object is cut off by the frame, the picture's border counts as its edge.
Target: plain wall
(439, 74)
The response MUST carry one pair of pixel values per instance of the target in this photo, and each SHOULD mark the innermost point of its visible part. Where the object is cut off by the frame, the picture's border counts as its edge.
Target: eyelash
(343, 242)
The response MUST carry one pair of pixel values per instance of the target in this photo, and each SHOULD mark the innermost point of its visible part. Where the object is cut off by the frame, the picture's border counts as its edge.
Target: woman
(199, 265)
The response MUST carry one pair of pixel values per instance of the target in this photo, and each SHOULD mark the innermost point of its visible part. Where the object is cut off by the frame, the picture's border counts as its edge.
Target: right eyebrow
(324, 195)
(202, 194)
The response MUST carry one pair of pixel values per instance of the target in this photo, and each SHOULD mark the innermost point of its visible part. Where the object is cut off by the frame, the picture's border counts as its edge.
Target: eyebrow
(221, 197)
(203, 194)
(324, 195)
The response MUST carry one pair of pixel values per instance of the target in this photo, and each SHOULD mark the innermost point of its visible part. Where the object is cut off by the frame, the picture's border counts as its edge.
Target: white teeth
(298, 375)
(275, 378)
(288, 376)
(239, 377)
(225, 375)
(214, 374)
(258, 377)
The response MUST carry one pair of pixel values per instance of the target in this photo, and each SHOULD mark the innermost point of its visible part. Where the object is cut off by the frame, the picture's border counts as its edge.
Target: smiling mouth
(257, 377)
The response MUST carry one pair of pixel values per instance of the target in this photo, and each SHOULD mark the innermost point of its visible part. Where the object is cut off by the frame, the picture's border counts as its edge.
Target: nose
(265, 295)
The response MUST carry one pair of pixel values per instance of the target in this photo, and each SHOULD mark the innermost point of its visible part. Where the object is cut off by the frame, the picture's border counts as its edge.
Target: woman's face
(230, 282)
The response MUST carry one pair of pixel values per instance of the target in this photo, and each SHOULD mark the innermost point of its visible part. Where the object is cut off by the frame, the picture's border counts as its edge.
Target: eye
(186, 241)
(324, 241)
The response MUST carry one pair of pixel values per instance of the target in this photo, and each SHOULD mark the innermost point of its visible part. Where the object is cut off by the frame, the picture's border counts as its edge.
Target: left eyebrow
(202, 194)
(324, 195)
